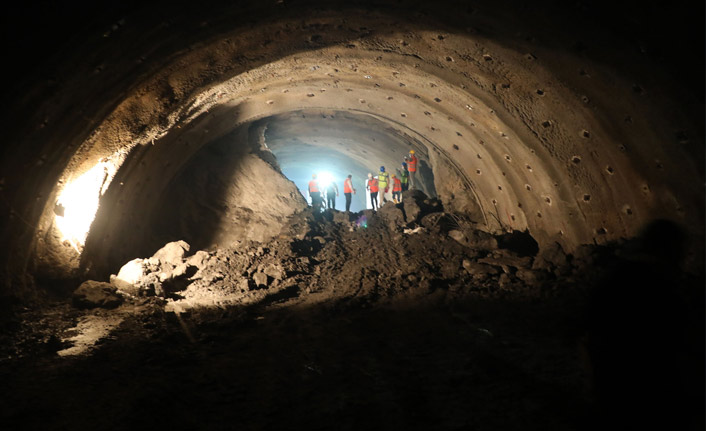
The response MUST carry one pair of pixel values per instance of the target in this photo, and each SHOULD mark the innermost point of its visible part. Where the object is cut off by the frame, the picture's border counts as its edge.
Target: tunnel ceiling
(529, 116)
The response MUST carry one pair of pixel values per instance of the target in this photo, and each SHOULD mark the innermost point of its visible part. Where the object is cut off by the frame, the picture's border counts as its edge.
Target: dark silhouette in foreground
(645, 359)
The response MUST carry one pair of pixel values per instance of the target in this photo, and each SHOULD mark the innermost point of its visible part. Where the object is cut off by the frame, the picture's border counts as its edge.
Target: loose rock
(92, 294)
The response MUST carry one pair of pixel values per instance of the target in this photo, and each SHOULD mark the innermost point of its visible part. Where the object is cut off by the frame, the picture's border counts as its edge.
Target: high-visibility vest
(347, 186)
(397, 186)
(313, 186)
(412, 164)
(373, 185)
(404, 177)
(383, 179)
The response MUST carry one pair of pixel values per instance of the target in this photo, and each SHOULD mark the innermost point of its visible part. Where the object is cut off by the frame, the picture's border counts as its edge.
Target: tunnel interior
(155, 213)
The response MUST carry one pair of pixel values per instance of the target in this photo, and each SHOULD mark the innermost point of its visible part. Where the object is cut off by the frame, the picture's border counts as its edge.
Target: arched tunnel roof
(528, 120)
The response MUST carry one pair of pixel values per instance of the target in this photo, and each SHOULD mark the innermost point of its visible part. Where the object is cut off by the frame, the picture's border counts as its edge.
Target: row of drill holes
(546, 124)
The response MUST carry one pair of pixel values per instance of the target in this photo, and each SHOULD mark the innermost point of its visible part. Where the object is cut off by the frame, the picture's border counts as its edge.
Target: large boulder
(392, 214)
(130, 276)
(473, 238)
(414, 206)
(172, 253)
(165, 272)
(178, 278)
(92, 294)
(479, 271)
(199, 259)
(551, 257)
(260, 279)
(275, 271)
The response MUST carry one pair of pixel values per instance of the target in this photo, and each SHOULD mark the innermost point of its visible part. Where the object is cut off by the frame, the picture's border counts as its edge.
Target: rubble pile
(406, 250)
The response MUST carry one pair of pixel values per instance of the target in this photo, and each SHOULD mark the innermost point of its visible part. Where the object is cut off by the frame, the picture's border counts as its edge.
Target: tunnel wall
(580, 136)
(227, 191)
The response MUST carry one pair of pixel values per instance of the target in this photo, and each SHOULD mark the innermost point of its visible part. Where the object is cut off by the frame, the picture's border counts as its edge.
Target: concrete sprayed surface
(180, 137)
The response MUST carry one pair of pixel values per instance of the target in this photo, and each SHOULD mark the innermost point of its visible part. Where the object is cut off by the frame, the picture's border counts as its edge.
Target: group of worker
(385, 182)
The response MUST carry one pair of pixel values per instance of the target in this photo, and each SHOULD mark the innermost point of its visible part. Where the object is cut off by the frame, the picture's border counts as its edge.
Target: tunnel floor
(370, 324)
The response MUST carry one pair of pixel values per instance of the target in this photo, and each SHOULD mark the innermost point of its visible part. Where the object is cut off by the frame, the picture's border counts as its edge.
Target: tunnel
(545, 126)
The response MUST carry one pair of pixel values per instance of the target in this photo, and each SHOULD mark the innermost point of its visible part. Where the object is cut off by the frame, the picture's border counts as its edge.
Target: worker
(383, 183)
(314, 192)
(348, 191)
(404, 176)
(396, 189)
(373, 187)
(331, 193)
(412, 167)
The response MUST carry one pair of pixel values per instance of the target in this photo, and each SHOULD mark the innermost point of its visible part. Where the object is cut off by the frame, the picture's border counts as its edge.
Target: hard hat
(382, 169)
(393, 175)
(411, 151)
(313, 176)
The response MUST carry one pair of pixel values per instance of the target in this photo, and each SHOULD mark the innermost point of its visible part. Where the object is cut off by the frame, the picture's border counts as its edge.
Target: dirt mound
(403, 250)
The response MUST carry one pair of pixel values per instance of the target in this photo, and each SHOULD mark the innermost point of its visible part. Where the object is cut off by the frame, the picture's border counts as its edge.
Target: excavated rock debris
(403, 250)
(92, 294)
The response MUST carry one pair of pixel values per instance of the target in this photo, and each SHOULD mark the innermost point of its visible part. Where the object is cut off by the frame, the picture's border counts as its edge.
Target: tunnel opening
(342, 143)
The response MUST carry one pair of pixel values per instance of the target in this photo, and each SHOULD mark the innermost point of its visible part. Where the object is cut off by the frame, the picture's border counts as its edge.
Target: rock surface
(91, 294)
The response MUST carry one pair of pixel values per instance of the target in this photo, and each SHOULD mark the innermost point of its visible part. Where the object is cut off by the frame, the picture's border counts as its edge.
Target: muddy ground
(407, 318)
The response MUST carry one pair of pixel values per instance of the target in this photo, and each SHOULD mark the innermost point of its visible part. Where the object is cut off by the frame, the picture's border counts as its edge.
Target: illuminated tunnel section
(185, 137)
(341, 143)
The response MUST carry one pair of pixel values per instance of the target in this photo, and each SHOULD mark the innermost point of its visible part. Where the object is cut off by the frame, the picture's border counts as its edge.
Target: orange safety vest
(347, 186)
(373, 185)
(313, 186)
(412, 164)
(397, 186)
